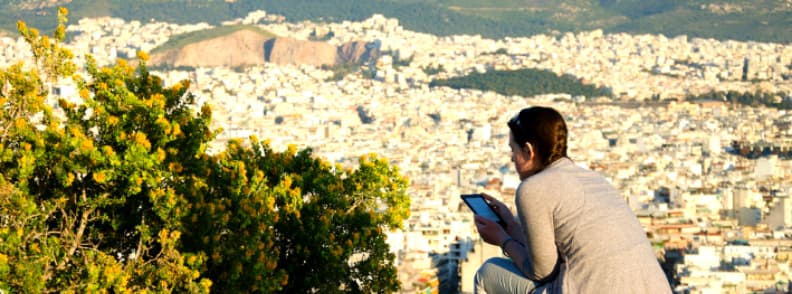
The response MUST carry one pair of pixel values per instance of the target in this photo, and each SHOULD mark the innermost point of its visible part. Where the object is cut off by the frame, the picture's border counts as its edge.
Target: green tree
(778, 100)
(288, 222)
(117, 193)
(79, 198)
(522, 82)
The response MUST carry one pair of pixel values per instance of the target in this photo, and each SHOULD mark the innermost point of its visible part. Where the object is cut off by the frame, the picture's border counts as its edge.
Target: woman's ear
(529, 148)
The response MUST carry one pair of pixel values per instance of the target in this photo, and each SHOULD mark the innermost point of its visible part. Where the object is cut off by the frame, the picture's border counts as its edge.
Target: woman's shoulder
(556, 179)
(560, 168)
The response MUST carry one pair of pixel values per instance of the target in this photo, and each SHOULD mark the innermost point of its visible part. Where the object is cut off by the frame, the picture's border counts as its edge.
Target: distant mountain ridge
(759, 20)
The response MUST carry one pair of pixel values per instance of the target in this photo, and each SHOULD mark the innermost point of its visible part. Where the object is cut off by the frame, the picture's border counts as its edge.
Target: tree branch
(139, 250)
(77, 240)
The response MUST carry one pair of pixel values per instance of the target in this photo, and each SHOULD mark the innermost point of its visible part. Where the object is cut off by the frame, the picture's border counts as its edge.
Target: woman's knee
(501, 275)
(491, 268)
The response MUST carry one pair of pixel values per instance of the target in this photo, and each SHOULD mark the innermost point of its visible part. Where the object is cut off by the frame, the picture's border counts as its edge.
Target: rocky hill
(240, 48)
(246, 47)
(292, 51)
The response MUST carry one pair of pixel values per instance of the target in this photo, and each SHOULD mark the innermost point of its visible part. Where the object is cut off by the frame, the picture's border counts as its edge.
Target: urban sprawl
(719, 222)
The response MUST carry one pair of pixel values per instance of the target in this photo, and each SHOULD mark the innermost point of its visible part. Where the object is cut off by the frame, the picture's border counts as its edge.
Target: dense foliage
(776, 100)
(522, 82)
(763, 20)
(118, 194)
(754, 150)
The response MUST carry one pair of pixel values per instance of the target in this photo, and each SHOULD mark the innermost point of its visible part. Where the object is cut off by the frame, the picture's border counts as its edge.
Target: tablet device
(479, 206)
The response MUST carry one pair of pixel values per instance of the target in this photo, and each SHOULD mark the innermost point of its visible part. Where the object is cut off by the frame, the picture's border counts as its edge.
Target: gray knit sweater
(569, 211)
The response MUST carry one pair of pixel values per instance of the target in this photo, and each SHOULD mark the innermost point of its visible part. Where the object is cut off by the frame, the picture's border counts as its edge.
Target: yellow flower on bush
(143, 55)
(175, 167)
(158, 100)
(176, 129)
(108, 150)
(20, 123)
(175, 235)
(206, 284)
(206, 110)
(163, 234)
(163, 123)
(140, 139)
(100, 177)
(160, 154)
(271, 264)
(177, 87)
(69, 179)
(170, 201)
(21, 26)
(86, 145)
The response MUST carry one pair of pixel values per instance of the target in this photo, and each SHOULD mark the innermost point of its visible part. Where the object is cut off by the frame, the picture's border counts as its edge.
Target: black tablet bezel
(465, 198)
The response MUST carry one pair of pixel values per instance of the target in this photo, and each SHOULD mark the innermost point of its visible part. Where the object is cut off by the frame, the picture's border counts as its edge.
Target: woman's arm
(535, 209)
(532, 249)
(493, 233)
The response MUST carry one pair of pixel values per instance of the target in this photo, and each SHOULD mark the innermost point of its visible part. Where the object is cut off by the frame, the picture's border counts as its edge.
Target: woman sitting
(575, 232)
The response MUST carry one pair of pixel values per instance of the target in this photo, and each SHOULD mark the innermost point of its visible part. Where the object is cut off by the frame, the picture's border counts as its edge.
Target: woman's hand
(490, 231)
(512, 227)
(501, 209)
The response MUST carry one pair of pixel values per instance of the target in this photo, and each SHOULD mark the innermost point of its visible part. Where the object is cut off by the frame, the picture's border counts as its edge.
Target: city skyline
(677, 148)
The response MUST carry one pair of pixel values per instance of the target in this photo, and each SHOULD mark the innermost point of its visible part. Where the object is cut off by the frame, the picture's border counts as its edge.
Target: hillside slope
(240, 48)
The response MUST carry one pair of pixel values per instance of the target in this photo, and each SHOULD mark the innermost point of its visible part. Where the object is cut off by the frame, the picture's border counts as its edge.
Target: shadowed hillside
(761, 20)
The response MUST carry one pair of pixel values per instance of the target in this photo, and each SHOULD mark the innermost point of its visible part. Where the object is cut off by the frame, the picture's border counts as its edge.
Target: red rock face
(292, 51)
(355, 52)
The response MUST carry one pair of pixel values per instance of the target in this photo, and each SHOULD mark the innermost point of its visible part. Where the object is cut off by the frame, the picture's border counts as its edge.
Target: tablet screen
(479, 206)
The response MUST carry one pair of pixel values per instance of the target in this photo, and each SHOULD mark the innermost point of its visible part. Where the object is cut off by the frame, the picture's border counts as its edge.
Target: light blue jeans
(501, 275)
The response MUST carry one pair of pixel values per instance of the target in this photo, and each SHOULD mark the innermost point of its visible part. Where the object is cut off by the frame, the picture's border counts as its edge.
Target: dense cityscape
(719, 221)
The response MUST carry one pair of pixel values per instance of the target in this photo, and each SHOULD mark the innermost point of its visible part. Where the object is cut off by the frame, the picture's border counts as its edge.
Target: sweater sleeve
(536, 205)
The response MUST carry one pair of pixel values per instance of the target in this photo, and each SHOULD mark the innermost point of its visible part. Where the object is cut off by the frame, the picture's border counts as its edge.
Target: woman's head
(538, 137)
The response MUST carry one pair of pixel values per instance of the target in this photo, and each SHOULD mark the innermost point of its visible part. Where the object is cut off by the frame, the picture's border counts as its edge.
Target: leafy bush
(119, 194)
